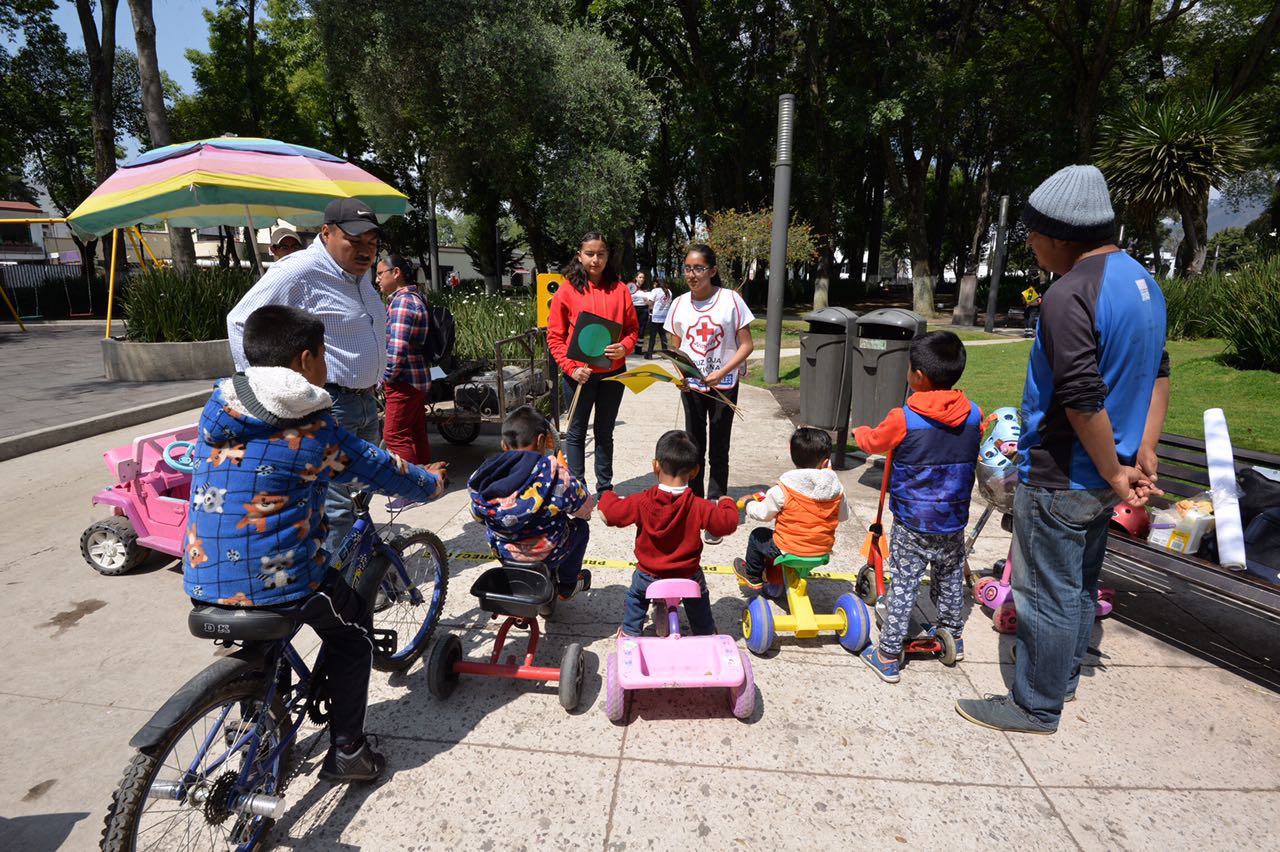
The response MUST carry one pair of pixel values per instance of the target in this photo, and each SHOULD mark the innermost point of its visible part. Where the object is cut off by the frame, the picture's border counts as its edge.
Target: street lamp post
(778, 249)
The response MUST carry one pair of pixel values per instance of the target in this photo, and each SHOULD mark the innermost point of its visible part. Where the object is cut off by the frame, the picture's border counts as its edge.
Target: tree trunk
(433, 236)
(966, 309)
(102, 59)
(875, 230)
(822, 281)
(1195, 235)
(181, 246)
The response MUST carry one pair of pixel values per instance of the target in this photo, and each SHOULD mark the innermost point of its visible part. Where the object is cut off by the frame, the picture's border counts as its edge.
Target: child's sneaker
(886, 669)
(709, 538)
(363, 764)
(743, 573)
(932, 631)
(568, 590)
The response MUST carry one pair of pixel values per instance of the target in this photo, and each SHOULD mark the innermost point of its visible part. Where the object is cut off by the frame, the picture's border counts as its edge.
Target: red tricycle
(150, 499)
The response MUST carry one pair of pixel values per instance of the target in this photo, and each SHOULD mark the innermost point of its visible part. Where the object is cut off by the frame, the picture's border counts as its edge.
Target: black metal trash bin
(881, 361)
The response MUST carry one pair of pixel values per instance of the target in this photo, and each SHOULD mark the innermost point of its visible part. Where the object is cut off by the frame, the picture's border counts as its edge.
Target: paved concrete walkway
(1172, 744)
(52, 375)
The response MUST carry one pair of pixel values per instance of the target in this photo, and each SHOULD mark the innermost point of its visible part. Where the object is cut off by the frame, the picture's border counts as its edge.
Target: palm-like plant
(1163, 155)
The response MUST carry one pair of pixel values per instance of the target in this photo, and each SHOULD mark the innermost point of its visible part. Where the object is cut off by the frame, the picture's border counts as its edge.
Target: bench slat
(1199, 572)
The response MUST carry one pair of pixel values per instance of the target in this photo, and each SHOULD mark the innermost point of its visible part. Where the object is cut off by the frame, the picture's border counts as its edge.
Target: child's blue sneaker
(887, 669)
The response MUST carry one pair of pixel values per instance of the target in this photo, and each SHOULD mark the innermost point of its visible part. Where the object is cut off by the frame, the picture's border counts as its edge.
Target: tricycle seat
(239, 623)
(519, 590)
(673, 590)
(683, 663)
(802, 565)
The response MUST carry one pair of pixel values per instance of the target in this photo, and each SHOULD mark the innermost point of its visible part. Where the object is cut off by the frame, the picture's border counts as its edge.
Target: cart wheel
(571, 676)
(757, 626)
(986, 591)
(661, 626)
(948, 652)
(866, 585)
(857, 623)
(615, 697)
(742, 698)
(442, 680)
(458, 431)
(111, 546)
(1005, 619)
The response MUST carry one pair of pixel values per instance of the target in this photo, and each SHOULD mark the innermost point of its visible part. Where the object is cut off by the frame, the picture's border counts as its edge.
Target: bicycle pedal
(385, 642)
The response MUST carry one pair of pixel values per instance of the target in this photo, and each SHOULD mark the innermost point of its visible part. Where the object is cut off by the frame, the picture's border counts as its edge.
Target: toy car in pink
(150, 500)
(674, 661)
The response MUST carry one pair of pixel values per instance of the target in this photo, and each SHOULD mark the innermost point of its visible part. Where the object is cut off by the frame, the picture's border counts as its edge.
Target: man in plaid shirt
(408, 375)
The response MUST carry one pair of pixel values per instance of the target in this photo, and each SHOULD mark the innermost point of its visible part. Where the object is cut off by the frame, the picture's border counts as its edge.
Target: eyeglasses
(695, 270)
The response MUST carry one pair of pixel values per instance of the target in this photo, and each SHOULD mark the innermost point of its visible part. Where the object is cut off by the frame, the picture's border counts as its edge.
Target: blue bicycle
(214, 762)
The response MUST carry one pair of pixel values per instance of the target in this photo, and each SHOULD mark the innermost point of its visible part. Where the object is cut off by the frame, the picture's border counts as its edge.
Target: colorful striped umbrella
(227, 181)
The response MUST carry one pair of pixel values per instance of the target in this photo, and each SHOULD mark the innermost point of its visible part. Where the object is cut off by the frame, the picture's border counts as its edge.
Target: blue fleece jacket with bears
(256, 525)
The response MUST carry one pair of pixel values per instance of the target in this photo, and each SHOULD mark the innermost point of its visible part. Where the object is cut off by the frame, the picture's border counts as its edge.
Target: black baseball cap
(351, 215)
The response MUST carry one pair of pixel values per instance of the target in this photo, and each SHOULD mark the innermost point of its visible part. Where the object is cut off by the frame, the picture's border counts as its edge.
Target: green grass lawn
(791, 330)
(1251, 398)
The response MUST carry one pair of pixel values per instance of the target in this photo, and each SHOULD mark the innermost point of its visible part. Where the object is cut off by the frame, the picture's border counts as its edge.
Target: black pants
(710, 423)
(642, 315)
(656, 330)
(339, 616)
(605, 398)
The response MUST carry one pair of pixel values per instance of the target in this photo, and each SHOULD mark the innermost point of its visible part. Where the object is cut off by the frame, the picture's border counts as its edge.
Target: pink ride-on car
(150, 499)
(674, 661)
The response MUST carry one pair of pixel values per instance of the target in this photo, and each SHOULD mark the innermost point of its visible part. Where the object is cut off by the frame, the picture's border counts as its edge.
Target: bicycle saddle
(238, 623)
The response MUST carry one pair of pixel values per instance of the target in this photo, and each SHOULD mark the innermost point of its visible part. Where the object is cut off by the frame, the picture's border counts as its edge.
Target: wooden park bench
(1183, 473)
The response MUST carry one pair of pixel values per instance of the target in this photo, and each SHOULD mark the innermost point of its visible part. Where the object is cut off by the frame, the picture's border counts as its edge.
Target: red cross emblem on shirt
(704, 336)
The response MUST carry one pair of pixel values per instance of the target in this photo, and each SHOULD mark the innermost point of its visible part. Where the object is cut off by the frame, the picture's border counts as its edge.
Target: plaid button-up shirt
(406, 334)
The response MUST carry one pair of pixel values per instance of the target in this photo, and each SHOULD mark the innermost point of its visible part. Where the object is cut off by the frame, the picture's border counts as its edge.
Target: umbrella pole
(154, 262)
(12, 309)
(253, 242)
(137, 249)
(111, 280)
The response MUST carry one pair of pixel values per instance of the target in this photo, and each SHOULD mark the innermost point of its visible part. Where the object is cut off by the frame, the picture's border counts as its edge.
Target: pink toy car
(150, 500)
(675, 661)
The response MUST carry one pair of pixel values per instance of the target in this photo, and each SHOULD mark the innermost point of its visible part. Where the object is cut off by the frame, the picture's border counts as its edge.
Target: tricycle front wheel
(571, 676)
(111, 546)
(442, 680)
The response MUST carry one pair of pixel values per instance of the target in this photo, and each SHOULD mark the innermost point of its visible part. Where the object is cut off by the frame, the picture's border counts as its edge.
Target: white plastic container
(1186, 536)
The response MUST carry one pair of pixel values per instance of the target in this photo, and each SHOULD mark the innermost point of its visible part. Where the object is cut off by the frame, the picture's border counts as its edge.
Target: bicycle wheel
(185, 794)
(408, 598)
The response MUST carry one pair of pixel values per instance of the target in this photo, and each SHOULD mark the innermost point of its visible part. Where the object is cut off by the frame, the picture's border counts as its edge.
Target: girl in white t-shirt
(659, 306)
(710, 324)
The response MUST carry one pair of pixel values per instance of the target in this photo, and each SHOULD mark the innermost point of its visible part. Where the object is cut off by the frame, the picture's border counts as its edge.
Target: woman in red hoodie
(594, 286)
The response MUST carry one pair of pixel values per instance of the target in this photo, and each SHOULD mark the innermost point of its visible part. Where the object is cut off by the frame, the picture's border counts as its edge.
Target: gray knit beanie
(1072, 204)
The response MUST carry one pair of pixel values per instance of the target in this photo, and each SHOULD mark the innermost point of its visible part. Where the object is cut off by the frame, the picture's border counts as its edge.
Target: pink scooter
(675, 661)
(996, 594)
(150, 499)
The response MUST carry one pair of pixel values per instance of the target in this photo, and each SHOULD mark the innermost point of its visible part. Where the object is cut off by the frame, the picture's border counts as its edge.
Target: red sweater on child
(669, 527)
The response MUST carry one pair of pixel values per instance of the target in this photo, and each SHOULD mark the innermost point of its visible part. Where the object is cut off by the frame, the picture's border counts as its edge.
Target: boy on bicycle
(257, 526)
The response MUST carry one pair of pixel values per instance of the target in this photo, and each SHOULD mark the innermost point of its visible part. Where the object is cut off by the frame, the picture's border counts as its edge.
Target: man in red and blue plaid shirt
(407, 375)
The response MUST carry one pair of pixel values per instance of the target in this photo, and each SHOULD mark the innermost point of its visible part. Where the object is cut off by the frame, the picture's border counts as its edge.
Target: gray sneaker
(1000, 713)
(711, 539)
(364, 764)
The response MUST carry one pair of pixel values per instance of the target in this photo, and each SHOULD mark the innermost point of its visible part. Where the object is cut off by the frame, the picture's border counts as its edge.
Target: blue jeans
(358, 414)
(761, 551)
(698, 610)
(1059, 538)
(605, 398)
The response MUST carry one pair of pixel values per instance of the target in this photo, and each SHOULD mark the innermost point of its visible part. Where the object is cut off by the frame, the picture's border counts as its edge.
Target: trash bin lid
(901, 318)
(842, 317)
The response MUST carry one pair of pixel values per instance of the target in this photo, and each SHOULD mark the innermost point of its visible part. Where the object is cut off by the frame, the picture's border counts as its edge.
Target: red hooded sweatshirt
(669, 527)
(611, 301)
(948, 407)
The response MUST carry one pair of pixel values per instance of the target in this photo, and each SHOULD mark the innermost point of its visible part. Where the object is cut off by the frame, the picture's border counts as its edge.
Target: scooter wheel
(947, 654)
(1103, 609)
(866, 585)
(1005, 619)
(983, 588)
(1106, 593)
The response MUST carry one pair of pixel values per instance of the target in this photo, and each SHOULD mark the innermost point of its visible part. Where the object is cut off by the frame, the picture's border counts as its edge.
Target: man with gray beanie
(1093, 407)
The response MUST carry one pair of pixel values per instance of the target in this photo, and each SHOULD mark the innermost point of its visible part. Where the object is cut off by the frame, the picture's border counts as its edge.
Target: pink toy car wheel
(742, 699)
(615, 697)
(1005, 619)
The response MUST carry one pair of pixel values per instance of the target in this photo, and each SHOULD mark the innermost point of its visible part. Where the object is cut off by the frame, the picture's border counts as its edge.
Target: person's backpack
(441, 332)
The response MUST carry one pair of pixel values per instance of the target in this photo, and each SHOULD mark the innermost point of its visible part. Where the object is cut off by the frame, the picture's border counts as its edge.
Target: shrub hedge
(165, 305)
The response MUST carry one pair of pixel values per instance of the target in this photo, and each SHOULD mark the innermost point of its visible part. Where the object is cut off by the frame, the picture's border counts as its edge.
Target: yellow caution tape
(624, 565)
